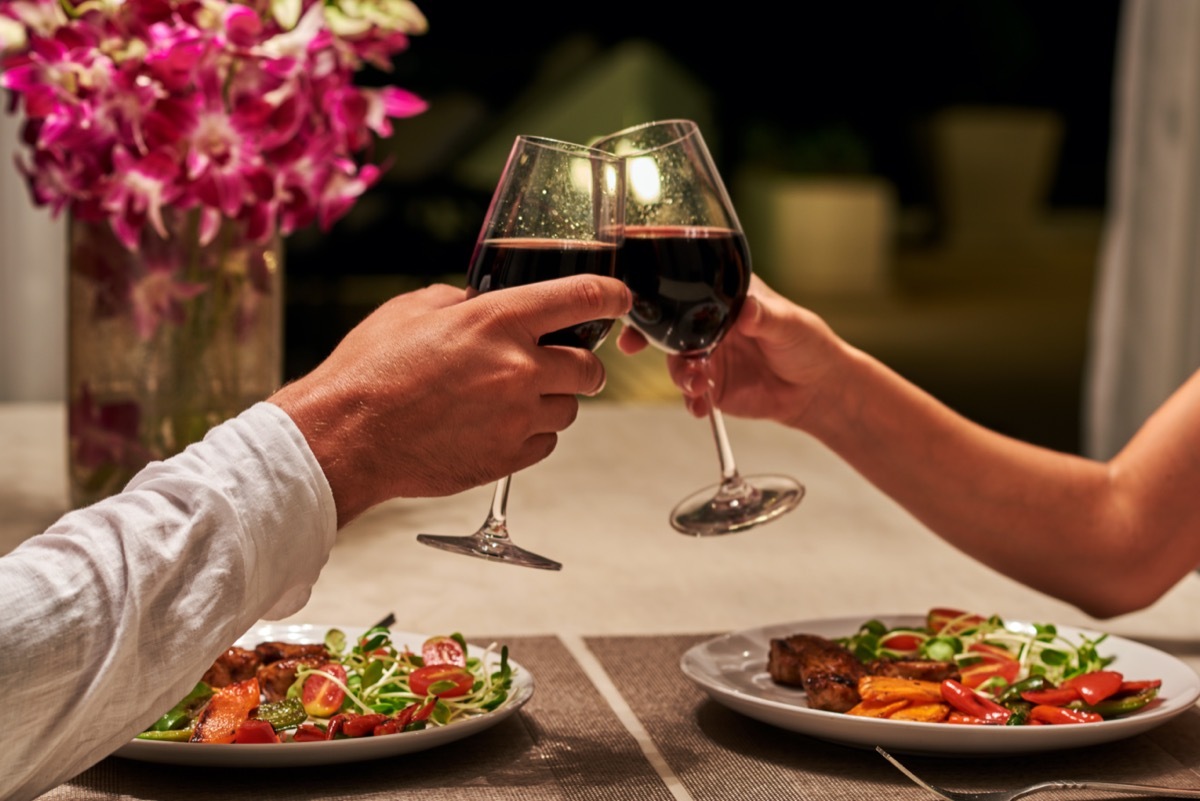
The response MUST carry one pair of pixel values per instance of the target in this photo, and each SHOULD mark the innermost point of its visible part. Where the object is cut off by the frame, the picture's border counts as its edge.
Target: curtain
(1145, 337)
(33, 295)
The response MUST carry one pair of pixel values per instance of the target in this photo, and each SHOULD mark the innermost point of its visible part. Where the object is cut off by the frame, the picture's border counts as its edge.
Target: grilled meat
(236, 664)
(275, 678)
(826, 671)
(274, 663)
(273, 651)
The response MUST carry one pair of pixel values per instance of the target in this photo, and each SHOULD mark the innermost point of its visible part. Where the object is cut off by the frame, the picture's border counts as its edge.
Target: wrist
(833, 403)
(325, 425)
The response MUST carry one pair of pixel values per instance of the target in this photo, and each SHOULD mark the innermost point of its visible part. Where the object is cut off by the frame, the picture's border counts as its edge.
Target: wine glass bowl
(687, 262)
(557, 210)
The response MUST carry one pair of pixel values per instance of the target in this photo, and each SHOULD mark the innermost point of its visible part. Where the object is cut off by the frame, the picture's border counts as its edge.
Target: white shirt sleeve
(114, 612)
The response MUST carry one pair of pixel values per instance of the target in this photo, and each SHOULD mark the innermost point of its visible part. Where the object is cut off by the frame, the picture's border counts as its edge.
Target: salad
(338, 689)
(1009, 674)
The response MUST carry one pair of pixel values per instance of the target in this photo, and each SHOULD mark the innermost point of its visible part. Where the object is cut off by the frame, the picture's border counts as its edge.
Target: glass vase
(164, 342)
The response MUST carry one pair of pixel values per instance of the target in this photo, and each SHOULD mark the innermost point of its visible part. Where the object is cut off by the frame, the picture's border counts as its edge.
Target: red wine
(500, 263)
(688, 283)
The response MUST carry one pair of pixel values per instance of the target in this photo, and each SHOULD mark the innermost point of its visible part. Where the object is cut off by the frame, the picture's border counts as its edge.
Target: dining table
(612, 714)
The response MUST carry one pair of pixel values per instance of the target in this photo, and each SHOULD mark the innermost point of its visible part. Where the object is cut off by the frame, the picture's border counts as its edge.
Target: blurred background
(931, 176)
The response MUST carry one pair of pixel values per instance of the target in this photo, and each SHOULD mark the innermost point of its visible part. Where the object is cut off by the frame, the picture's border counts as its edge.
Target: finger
(556, 413)
(631, 340)
(750, 319)
(698, 406)
(569, 371)
(534, 450)
(564, 302)
(690, 376)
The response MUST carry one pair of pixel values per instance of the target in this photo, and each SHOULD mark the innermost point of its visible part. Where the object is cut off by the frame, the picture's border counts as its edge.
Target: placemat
(720, 754)
(565, 743)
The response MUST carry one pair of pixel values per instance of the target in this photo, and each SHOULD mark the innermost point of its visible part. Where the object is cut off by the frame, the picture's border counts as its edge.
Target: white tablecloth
(599, 505)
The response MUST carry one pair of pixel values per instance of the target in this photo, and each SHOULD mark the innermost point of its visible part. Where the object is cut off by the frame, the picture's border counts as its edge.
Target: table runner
(565, 743)
(717, 753)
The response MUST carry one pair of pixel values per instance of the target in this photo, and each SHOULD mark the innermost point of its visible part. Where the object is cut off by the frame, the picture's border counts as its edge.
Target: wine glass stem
(496, 525)
(733, 491)
(729, 471)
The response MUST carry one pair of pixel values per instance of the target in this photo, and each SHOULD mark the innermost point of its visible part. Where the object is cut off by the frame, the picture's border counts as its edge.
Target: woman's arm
(1109, 538)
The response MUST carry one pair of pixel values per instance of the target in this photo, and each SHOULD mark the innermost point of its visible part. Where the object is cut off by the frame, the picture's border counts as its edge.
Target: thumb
(751, 320)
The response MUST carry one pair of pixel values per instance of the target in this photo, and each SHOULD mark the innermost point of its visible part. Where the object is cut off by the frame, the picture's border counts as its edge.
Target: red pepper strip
(253, 730)
(389, 726)
(1130, 687)
(958, 717)
(1045, 713)
(1054, 696)
(971, 703)
(1094, 687)
(309, 733)
(333, 730)
(362, 725)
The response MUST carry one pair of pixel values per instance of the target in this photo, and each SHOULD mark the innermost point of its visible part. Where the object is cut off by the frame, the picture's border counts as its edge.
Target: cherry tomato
(901, 642)
(1094, 687)
(444, 681)
(254, 730)
(443, 651)
(321, 695)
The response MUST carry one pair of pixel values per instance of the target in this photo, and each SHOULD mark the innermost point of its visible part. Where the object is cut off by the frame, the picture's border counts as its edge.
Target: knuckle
(590, 296)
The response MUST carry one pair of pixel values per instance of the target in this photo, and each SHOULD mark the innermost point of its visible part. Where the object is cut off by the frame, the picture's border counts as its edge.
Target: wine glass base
(717, 510)
(491, 548)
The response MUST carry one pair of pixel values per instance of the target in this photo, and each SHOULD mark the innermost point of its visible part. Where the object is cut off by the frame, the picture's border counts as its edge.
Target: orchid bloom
(242, 110)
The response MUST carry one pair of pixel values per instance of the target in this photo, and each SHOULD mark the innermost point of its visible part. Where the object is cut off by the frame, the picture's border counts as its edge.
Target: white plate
(732, 669)
(271, 755)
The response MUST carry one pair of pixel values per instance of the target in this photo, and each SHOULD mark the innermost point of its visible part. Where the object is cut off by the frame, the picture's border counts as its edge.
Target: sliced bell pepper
(1051, 696)
(218, 722)
(1115, 706)
(1095, 686)
(253, 730)
(969, 702)
(1044, 713)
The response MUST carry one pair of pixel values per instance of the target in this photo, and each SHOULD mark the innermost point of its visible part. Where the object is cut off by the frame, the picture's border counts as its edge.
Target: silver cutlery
(1041, 787)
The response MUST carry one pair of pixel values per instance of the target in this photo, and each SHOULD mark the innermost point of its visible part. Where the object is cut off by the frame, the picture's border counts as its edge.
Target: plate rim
(271, 755)
(916, 737)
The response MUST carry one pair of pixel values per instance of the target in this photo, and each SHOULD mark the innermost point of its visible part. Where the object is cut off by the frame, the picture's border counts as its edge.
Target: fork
(1039, 787)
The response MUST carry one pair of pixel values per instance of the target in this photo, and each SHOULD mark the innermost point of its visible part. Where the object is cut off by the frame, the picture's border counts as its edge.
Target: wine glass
(557, 210)
(687, 262)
